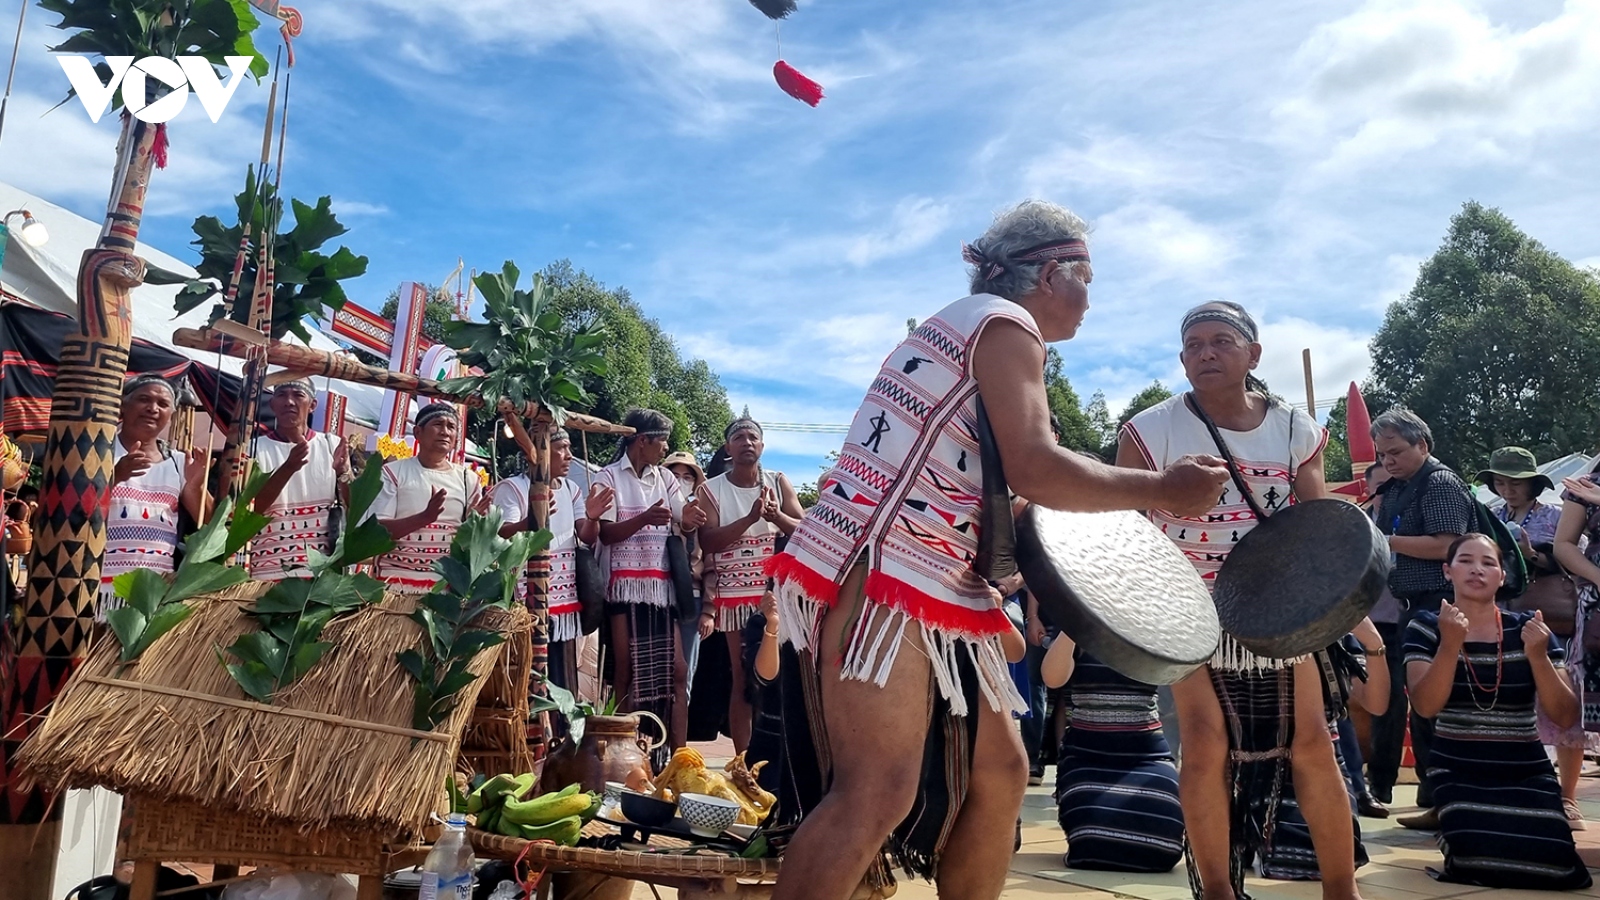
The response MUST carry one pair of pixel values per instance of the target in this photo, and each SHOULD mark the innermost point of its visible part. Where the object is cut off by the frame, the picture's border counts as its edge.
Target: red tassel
(158, 147)
(796, 85)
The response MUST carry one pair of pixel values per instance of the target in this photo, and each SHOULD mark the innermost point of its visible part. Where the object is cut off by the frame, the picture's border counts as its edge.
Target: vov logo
(182, 75)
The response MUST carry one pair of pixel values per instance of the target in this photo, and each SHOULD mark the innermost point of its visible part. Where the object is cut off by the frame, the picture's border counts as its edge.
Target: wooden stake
(1311, 398)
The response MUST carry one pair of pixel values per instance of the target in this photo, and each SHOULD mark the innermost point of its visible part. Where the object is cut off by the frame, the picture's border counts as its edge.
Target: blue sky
(1301, 158)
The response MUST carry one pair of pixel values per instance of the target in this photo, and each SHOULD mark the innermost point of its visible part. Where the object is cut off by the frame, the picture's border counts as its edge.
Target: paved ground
(1400, 859)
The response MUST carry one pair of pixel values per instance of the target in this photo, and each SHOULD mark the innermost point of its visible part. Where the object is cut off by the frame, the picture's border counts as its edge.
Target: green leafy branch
(214, 29)
(558, 699)
(306, 280)
(524, 348)
(154, 605)
(293, 613)
(480, 573)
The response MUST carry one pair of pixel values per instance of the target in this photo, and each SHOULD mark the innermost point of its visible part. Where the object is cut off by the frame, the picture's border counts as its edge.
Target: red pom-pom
(796, 85)
(158, 146)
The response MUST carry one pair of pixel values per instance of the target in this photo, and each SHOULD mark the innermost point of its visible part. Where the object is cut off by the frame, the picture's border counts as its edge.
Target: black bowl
(642, 809)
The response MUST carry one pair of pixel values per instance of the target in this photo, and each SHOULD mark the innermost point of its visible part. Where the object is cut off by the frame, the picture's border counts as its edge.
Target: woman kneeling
(1116, 784)
(1477, 670)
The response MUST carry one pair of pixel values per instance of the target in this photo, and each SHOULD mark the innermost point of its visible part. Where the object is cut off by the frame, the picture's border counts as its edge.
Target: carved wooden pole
(536, 446)
(51, 636)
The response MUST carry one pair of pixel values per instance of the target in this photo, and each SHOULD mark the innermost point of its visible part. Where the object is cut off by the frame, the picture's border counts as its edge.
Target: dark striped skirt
(1289, 855)
(1118, 803)
(1500, 820)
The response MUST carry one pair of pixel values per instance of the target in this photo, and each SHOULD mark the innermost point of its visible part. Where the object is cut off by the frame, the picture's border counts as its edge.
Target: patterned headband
(1070, 250)
(738, 425)
(433, 411)
(1237, 319)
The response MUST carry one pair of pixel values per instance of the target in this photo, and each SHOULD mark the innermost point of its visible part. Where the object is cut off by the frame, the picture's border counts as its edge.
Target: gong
(1301, 579)
(1119, 588)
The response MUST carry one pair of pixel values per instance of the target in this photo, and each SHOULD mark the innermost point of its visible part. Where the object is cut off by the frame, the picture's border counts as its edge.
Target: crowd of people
(814, 608)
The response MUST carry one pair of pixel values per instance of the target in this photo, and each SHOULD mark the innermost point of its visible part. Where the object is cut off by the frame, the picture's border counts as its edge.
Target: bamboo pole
(320, 363)
(536, 447)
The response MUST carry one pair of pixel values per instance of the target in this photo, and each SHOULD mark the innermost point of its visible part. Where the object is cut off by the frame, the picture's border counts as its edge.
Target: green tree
(1099, 419)
(1497, 343)
(1336, 456)
(1150, 396)
(643, 365)
(1077, 432)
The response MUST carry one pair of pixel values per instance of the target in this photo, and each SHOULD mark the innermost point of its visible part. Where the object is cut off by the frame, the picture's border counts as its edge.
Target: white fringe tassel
(1231, 656)
(799, 616)
(734, 618)
(565, 627)
(641, 591)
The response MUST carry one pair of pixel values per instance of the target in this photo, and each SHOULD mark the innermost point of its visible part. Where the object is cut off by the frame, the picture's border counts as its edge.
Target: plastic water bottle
(447, 872)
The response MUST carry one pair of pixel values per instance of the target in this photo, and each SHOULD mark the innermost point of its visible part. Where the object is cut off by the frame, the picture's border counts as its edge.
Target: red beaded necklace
(1474, 685)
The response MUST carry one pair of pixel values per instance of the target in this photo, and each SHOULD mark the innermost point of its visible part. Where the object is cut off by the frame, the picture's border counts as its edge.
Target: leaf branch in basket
(294, 612)
(479, 573)
(153, 605)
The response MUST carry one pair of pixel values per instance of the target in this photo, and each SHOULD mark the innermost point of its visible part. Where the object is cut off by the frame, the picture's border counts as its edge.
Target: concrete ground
(1398, 870)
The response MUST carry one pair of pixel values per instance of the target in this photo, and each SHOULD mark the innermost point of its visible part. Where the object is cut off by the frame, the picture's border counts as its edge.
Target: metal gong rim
(1301, 579)
(1119, 588)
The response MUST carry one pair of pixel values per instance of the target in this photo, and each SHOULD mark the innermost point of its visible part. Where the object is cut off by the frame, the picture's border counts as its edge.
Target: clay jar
(612, 749)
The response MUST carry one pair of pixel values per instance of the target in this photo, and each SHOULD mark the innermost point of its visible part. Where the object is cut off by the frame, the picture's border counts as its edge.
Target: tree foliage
(1497, 343)
(643, 365)
(306, 280)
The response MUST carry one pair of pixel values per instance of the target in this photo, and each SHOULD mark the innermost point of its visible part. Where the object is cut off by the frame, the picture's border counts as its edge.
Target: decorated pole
(52, 630)
(308, 361)
(537, 448)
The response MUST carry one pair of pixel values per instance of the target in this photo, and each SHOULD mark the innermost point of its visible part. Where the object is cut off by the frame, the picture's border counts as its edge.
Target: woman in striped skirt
(1477, 670)
(1116, 784)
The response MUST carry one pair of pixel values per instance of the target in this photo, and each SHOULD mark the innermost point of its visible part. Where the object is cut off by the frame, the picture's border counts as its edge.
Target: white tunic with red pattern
(566, 507)
(741, 568)
(406, 487)
(905, 498)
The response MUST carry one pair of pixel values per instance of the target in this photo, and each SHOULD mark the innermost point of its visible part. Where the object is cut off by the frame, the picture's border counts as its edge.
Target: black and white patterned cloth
(1443, 507)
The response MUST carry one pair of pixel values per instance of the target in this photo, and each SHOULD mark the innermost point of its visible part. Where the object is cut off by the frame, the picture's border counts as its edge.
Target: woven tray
(626, 863)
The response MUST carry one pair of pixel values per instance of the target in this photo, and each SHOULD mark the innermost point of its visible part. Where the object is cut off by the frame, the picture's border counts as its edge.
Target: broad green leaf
(254, 679)
(165, 619)
(455, 573)
(411, 661)
(365, 540)
(127, 624)
(154, 274)
(365, 489)
(287, 596)
(422, 703)
(194, 579)
(211, 541)
(307, 656)
(453, 682)
(475, 641)
(246, 525)
(141, 589)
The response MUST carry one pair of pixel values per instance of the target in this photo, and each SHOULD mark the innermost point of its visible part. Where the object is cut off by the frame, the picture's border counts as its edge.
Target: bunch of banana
(557, 817)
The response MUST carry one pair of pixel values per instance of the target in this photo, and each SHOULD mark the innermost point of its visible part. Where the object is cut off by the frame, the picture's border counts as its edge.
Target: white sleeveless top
(741, 575)
(299, 516)
(406, 487)
(1269, 456)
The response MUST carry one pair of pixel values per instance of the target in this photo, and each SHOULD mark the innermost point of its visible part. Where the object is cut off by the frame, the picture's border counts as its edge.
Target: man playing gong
(1244, 719)
(897, 635)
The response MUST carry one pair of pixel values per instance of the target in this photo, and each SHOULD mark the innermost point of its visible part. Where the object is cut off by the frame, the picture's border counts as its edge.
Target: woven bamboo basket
(164, 830)
(630, 864)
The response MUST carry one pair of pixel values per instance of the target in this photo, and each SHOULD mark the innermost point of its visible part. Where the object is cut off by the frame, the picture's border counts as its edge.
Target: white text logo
(181, 75)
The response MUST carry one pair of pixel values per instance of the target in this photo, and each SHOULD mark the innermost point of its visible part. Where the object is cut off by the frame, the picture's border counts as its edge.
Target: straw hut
(329, 776)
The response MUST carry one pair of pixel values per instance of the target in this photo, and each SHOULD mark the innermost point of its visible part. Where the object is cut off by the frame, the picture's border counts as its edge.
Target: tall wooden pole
(1311, 394)
(536, 446)
(51, 636)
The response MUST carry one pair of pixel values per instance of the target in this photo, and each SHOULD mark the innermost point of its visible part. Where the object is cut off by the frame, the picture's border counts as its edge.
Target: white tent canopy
(47, 276)
(1571, 465)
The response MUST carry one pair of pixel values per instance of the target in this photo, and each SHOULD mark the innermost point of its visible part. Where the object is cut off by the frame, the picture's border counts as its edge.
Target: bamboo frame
(310, 361)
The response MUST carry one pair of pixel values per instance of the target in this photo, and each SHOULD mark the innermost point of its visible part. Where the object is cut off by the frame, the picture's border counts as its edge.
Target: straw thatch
(335, 749)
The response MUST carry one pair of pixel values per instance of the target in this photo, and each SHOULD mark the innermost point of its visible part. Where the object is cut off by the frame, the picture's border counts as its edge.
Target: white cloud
(356, 208)
(1398, 77)
(1165, 241)
(1114, 162)
(1338, 357)
(915, 222)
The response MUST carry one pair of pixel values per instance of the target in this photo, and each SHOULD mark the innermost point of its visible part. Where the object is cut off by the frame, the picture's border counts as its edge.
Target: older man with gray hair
(898, 635)
(1425, 508)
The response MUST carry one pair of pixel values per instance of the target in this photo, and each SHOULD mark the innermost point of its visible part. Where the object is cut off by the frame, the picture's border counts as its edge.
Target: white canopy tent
(47, 277)
(1571, 465)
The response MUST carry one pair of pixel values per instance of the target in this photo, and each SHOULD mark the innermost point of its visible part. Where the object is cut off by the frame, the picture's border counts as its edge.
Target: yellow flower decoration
(391, 448)
(483, 477)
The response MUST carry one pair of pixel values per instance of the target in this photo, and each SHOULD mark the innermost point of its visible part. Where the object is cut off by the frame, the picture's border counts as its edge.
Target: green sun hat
(1515, 462)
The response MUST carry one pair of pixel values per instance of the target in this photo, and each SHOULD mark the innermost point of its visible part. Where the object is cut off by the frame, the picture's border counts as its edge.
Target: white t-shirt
(141, 523)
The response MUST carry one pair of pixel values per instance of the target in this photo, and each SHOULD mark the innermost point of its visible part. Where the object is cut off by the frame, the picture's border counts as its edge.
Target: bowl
(707, 816)
(643, 809)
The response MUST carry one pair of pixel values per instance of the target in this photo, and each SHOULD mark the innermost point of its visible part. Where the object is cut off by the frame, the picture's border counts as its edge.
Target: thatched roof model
(335, 749)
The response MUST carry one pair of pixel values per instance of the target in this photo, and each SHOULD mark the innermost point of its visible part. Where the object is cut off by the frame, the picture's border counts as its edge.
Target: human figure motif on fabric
(423, 500)
(574, 520)
(896, 638)
(749, 510)
(308, 474)
(1246, 721)
(648, 661)
(149, 485)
